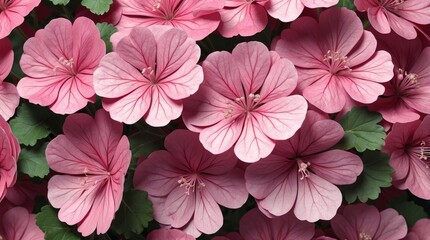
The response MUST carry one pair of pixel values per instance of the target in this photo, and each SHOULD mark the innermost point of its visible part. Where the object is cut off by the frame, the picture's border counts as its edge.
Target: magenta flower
(59, 62)
(150, 73)
(409, 150)
(248, 17)
(197, 18)
(18, 224)
(186, 183)
(9, 97)
(363, 222)
(420, 231)
(92, 159)
(407, 95)
(9, 151)
(336, 62)
(244, 102)
(169, 234)
(400, 15)
(255, 226)
(12, 13)
(301, 172)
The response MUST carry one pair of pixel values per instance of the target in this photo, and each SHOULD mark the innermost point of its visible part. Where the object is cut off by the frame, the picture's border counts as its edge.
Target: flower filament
(406, 81)
(189, 182)
(66, 64)
(364, 236)
(391, 4)
(303, 168)
(336, 62)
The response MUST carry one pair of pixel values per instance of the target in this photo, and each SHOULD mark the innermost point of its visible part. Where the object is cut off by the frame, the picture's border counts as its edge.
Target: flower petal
(207, 217)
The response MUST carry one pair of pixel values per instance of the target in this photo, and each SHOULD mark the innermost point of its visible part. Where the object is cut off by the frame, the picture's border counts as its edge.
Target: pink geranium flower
(18, 224)
(59, 62)
(169, 234)
(186, 183)
(256, 226)
(336, 62)
(9, 97)
(408, 93)
(197, 18)
(362, 222)
(12, 13)
(400, 15)
(248, 17)
(92, 158)
(9, 151)
(420, 231)
(148, 75)
(301, 172)
(408, 145)
(244, 102)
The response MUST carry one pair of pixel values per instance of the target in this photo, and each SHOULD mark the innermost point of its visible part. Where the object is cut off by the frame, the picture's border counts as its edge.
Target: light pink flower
(335, 59)
(361, 222)
(12, 13)
(18, 224)
(196, 17)
(9, 151)
(256, 226)
(400, 15)
(248, 17)
(301, 173)
(59, 62)
(420, 231)
(9, 97)
(92, 158)
(408, 93)
(169, 234)
(408, 145)
(148, 75)
(186, 183)
(244, 101)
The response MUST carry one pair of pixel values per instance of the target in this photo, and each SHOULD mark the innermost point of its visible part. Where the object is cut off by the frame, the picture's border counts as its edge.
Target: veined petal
(207, 217)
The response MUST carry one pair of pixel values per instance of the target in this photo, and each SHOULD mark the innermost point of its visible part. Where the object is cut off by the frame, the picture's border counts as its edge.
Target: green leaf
(134, 214)
(97, 6)
(346, 3)
(361, 130)
(409, 210)
(60, 2)
(30, 125)
(376, 174)
(47, 220)
(106, 30)
(32, 161)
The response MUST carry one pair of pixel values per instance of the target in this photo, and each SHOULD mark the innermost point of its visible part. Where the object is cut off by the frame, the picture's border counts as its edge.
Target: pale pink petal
(41, 91)
(163, 109)
(336, 166)
(207, 217)
(284, 10)
(401, 26)
(421, 228)
(159, 213)
(392, 225)
(379, 69)
(415, 11)
(316, 199)
(399, 160)
(393, 110)
(319, 3)
(364, 91)
(419, 99)
(245, 20)
(13, 13)
(279, 119)
(9, 100)
(418, 178)
(378, 19)
(399, 135)
(18, 224)
(363, 51)
(180, 206)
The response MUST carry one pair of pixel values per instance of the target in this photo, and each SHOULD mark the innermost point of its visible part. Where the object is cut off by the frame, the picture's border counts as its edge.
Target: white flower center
(66, 66)
(406, 81)
(336, 62)
(303, 169)
(364, 236)
(189, 182)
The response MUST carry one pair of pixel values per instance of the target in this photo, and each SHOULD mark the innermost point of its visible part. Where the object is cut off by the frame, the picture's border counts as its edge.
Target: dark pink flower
(196, 17)
(400, 15)
(301, 173)
(335, 59)
(12, 13)
(92, 158)
(59, 62)
(420, 231)
(248, 17)
(9, 97)
(148, 75)
(407, 95)
(9, 151)
(186, 183)
(408, 145)
(169, 234)
(18, 224)
(256, 226)
(364, 222)
(244, 101)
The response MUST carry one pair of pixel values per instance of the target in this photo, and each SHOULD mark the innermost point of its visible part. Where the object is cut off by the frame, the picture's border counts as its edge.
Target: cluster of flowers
(259, 121)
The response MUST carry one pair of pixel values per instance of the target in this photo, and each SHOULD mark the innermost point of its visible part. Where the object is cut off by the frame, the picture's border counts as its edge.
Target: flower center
(336, 62)
(364, 236)
(303, 168)
(189, 182)
(406, 81)
(66, 66)
(149, 73)
(391, 4)
(168, 11)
